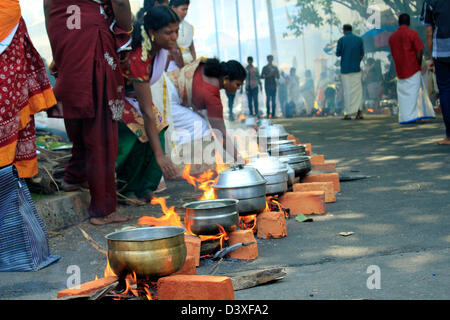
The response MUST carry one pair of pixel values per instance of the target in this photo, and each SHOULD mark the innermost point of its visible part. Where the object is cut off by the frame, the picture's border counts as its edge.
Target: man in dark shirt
(270, 74)
(435, 15)
(350, 49)
(252, 84)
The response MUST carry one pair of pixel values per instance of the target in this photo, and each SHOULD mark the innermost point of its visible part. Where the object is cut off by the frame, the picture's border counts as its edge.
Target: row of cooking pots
(241, 191)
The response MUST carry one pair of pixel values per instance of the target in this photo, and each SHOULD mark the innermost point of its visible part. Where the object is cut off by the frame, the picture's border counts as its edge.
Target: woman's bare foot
(446, 141)
(112, 218)
(148, 197)
(116, 217)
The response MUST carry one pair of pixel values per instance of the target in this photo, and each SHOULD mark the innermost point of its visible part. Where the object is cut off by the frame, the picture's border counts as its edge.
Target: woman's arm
(145, 99)
(193, 52)
(228, 142)
(122, 13)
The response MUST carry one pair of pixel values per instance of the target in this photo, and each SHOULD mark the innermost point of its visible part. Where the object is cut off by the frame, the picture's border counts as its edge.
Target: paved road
(399, 216)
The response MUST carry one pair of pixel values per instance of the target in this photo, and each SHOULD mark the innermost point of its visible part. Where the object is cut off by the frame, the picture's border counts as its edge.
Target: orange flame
(169, 219)
(370, 110)
(248, 222)
(242, 117)
(221, 236)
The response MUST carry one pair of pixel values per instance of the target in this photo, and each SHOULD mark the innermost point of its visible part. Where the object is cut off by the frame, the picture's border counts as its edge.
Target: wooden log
(256, 278)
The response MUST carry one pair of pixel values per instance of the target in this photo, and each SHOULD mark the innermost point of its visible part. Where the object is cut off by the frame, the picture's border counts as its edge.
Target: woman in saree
(197, 106)
(141, 161)
(24, 91)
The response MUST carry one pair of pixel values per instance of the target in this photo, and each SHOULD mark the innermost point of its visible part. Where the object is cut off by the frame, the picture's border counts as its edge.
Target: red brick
(189, 267)
(195, 287)
(271, 225)
(327, 187)
(326, 166)
(308, 149)
(324, 177)
(193, 245)
(317, 159)
(292, 137)
(311, 202)
(88, 287)
(244, 253)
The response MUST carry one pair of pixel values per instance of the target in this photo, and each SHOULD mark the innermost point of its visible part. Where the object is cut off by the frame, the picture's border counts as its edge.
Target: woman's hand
(53, 70)
(167, 167)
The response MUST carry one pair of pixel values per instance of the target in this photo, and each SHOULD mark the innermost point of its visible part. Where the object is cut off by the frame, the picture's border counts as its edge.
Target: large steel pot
(265, 122)
(148, 252)
(284, 150)
(268, 134)
(276, 143)
(203, 217)
(274, 171)
(244, 184)
(301, 164)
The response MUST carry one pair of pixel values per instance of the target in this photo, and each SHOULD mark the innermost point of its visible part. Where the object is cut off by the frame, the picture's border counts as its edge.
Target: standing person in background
(270, 74)
(184, 53)
(150, 4)
(307, 91)
(90, 87)
(252, 86)
(435, 15)
(293, 92)
(350, 49)
(283, 92)
(407, 51)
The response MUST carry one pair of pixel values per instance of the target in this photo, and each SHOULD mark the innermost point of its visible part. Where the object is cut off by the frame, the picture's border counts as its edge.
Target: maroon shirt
(405, 44)
(85, 57)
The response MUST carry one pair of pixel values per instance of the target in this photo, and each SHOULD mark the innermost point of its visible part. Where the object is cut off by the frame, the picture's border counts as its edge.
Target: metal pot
(250, 122)
(276, 143)
(288, 150)
(271, 133)
(301, 164)
(244, 184)
(148, 252)
(202, 217)
(291, 174)
(265, 122)
(274, 171)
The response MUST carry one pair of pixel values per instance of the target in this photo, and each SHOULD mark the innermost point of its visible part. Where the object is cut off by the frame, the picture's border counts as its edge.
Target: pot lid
(267, 165)
(265, 123)
(273, 131)
(238, 177)
(294, 159)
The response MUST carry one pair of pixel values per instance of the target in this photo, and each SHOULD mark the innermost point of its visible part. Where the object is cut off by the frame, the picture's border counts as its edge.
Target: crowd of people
(139, 83)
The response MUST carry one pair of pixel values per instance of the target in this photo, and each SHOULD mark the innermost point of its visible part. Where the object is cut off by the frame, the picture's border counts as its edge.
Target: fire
(204, 182)
(221, 236)
(248, 222)
(242, 117)
(130, 284)
(370, 110)
(170, 217)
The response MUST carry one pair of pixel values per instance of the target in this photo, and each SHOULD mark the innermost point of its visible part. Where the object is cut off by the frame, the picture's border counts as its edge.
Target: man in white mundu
(350, 49)
(407, 51)
(185, 53)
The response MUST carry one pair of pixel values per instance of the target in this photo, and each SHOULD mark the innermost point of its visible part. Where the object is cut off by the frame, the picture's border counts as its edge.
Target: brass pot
(148, 252)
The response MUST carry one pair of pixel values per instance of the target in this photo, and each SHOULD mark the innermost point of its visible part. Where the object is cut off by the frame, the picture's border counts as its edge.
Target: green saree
(138, 173)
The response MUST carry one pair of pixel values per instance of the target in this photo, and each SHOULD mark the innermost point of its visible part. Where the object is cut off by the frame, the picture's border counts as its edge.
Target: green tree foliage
(321, 13)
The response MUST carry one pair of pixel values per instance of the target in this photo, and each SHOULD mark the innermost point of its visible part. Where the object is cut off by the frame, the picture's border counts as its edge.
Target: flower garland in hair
(146, 44)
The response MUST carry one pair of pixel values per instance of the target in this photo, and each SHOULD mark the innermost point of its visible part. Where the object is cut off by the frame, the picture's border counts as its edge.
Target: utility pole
(273, 38)
(256, 33)
(239, 31)
(217, 29)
